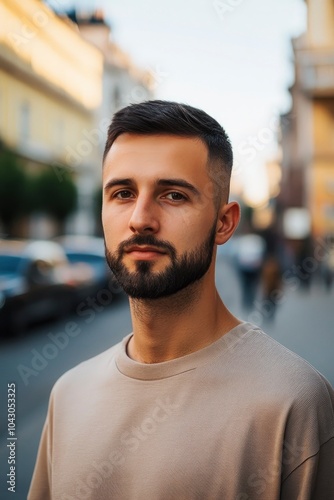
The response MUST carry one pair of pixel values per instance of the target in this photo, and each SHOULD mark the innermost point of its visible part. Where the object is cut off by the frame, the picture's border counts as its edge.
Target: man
(194, 404)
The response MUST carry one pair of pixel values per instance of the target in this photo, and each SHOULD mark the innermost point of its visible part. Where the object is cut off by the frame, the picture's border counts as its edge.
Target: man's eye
(123, 195)
(175, 196)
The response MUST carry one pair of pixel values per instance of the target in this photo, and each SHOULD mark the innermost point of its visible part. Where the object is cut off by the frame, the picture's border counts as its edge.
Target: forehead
(154, 156)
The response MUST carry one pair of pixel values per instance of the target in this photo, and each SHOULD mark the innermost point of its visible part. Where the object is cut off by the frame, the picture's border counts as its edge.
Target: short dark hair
(173, 118)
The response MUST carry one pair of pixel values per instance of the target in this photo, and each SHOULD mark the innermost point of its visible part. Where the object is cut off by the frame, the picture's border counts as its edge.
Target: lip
(144, 248)
(145, 252)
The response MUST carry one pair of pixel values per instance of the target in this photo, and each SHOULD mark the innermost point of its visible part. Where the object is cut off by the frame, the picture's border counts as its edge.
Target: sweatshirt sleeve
(314, 478)
(40, 487)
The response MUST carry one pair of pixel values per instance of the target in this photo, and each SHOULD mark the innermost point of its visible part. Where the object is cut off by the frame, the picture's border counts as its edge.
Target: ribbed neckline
(156, 371)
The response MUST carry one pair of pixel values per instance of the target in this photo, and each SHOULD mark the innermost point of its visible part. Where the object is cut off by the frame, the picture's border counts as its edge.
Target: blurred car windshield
(9, 264)
(84, 257)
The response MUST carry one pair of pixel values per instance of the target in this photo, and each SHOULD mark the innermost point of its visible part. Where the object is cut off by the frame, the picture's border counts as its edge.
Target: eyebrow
(178, 182)
(160, 182)
(117, 182)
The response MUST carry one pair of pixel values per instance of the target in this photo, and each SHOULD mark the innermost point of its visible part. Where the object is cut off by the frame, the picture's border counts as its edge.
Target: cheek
(111, 227)
(111, 218)
(188, 235)
(105, 222)
(195, 220)
(115, 227)
(193, 227)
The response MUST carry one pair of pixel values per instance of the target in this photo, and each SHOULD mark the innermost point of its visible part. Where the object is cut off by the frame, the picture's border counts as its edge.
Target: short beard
(179, 274)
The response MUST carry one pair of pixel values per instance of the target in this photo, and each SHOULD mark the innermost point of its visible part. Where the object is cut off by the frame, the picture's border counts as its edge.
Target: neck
(171, 327)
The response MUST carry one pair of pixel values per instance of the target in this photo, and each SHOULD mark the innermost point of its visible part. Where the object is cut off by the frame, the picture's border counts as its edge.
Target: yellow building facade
(308, 130)
(50, 88)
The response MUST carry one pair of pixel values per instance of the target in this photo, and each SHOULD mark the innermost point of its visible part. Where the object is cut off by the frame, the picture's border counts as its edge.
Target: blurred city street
(304, 323)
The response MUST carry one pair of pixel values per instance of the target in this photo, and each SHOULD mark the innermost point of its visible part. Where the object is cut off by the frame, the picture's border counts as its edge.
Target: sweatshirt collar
(166, 369)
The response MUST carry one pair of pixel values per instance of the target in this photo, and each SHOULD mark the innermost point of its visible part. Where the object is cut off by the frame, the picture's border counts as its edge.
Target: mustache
(149, 240)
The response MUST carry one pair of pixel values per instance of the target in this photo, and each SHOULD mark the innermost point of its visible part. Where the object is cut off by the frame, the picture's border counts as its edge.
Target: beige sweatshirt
(241, 419)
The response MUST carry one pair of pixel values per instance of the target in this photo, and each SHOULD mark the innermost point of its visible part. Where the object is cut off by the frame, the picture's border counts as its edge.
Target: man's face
(159, 223)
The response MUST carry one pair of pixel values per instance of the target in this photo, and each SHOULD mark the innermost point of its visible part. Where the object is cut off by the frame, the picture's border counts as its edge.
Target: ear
(228, 220)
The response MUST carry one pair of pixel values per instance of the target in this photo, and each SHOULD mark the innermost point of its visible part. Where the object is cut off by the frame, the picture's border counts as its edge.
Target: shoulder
(287, 389)
(272, 368)
(88, 373)
(293, 381)
(280, 362)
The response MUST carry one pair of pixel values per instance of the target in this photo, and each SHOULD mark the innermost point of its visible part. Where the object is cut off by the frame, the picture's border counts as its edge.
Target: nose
(144, 218)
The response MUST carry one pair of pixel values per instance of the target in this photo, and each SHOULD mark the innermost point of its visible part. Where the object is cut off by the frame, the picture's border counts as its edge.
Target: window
(24, 122)
(59, 127)
(116, 98)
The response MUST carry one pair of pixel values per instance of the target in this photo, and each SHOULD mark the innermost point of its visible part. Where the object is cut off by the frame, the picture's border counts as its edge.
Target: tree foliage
(22, 193)
(14, 197)
(97, 210)
(55, 195)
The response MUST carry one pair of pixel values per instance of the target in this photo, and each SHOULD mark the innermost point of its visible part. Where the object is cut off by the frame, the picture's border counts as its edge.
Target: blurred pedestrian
(303, 255)
(327, 264)
(194, 403)
(271, 274)
(249, 254)
(271, 282)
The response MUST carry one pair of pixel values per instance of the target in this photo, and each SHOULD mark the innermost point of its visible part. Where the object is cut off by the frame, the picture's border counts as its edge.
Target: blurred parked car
(89, 250)
(37, 282)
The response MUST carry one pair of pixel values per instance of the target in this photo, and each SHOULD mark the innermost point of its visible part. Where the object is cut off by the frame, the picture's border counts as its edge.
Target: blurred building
(308, 129)
(50, 87)
(123, 81)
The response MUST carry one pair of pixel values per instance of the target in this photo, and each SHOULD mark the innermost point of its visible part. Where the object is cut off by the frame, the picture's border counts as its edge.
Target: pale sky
(232, 58)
